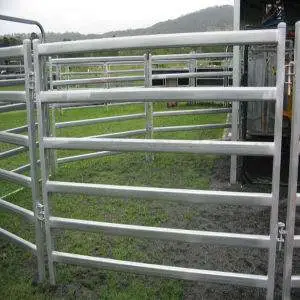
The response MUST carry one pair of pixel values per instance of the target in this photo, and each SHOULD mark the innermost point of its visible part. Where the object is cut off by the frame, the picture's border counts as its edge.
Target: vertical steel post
(192, 65)
(68, 71)
(30, 108)
(148, 105)
(106, 70)
(280, 81)
(50, 74)
(42, 112)
(293, 175)
(53, 161)
(236, 82)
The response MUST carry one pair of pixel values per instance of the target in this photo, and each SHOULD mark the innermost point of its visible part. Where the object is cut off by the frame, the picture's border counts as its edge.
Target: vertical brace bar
(53, 162)
(280, 80)
(39, 230)
(236, 83)
(67, 69)
(50, 74)
(148, 105)
(293, 175)
(42, 110)
(192, 65)
(53, 153)
(106, 71)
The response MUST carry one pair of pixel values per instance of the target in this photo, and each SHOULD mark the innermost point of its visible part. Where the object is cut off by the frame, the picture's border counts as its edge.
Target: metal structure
(158, 74)
(147, 95)
(23, 100)
(148, 78)
(260, 62)
(25, 21)
(292, 238)
(115, 143)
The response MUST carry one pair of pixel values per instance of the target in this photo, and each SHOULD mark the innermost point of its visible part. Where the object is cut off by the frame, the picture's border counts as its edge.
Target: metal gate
(292, 240)
(46, 98)
(16, 100)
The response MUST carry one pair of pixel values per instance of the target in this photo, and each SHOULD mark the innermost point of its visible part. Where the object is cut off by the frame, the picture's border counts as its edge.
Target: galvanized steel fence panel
(148, 94)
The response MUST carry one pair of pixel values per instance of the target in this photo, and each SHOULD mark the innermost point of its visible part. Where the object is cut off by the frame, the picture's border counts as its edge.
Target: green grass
(167, 170)
(12, 88)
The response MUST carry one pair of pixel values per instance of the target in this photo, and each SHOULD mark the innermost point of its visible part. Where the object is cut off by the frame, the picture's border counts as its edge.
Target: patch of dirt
(242, 219)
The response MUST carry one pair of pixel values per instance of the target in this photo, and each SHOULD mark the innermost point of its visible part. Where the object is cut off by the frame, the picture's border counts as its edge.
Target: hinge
(281, 235)
(40, 211)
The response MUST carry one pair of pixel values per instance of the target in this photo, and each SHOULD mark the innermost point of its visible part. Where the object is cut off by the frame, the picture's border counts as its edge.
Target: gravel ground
(228, 219)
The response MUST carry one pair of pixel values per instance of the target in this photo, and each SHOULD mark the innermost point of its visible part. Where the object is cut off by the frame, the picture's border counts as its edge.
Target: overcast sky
(96, 16)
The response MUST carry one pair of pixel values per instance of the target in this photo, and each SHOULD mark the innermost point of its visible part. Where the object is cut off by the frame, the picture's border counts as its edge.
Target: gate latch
(281, 235)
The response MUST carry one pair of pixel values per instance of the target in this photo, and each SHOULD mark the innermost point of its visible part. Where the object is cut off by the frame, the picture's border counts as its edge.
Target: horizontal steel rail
(155, 58)
(125, 71)
(99, 120)
(142, 115)
(120, 134)
(190, 127)
(12, 76)
(12, 96)
(136, 132)
(138, 145)
(160, 270)
(77, 105)
(298, 199)
(96, 80)
(13, 138)
(192, 75)
(102, 72)
(189, 56)
(18, 129)
(12, 66)
(81, 73)
(12, 107)
(162, 41)
(188, 236)
(138, 78)
(12, 193)
(16, 178)
(161, 94)
(68, 159)
(12, 81)
(295, 281)
(166, 194)
(12, 51)
(200, 111)
(102, 59)
(23, 168)
(297, 241)
(18, 240)
(28, 214)
(12, 152)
